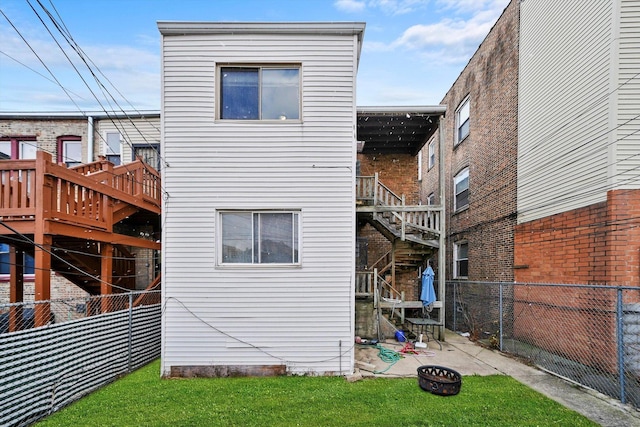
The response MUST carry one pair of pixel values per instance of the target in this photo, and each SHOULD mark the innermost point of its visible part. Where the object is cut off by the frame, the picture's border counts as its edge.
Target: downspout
(90, 139)
(442, 241)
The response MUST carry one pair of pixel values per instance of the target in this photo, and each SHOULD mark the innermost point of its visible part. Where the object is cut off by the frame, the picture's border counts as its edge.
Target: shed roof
(405, 130)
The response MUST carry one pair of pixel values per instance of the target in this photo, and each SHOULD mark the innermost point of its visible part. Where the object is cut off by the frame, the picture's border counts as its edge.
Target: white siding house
(577, 125)
(258, 136)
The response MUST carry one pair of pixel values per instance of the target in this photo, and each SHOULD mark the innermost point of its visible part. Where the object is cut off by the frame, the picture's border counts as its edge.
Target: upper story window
(432, 153)
(431, 199)
(461, 190)
(18, 147)
(260, 237)
(70, 150)
(420, 166)
(462, 121)
(461, 260)
(113, 147)
(259, 93)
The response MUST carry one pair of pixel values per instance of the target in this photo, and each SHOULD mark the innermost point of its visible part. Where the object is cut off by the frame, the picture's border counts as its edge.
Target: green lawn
(143, 399)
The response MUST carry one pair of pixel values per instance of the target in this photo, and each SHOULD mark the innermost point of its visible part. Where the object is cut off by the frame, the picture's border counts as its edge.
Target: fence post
(619, 315)
(500, 314)
(130, 347)
(455, 308)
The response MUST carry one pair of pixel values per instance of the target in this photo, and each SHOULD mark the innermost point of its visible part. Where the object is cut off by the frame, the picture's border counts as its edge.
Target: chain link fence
(26, 315)
(589, 334)
(54, 352)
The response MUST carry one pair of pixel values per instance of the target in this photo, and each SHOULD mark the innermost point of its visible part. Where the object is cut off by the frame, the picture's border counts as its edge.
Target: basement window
(259, 237)
(259, 93)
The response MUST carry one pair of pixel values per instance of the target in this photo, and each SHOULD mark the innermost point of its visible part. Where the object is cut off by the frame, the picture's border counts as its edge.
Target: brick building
(541, 163)
(480, 140)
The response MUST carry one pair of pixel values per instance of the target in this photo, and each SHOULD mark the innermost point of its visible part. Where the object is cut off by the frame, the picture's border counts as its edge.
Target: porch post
(442, 259)
(42, 254)
(42, 265)
(106, 275)
(16, 288)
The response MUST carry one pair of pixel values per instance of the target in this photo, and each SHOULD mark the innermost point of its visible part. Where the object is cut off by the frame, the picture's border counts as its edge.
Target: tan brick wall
(46, 131)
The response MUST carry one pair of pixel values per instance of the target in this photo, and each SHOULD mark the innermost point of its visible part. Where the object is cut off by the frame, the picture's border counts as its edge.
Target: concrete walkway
(469, 358)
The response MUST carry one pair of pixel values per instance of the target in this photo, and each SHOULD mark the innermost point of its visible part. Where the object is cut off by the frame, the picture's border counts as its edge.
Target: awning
(405, 130)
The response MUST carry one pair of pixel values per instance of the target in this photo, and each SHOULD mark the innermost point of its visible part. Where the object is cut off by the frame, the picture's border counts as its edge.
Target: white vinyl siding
(626, 173)
(298, 316)
(134, 131)
(564, 106)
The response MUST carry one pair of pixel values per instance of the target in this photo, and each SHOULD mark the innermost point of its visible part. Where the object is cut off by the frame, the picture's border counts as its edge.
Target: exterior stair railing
(391, 210)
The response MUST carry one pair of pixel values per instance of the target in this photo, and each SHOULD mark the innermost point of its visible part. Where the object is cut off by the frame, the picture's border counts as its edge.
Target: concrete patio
(469, 358)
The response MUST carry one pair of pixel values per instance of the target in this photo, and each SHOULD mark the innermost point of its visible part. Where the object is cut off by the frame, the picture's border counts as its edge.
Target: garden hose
(387, 356)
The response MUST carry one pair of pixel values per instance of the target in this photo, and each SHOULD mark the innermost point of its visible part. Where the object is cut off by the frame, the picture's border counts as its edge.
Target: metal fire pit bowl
(439, 380)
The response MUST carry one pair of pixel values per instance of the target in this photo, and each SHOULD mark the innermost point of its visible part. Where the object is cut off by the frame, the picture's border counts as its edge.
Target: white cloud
(398, 7)
(350, 5)
(451, 40)
(466, 6)
(389, 7)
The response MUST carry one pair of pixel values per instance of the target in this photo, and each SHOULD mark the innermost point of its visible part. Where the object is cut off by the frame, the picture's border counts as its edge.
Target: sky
(412, 53)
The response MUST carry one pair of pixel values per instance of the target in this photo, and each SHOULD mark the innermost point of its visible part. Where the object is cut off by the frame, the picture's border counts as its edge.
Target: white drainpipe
(90, 139)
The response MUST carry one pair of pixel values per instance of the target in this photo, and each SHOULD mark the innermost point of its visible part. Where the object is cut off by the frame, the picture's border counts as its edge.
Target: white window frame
(457, 259)
(30, 147)
(260, 68)
(463, 115)
(108, 150)
(431, 198)
(420, 166)
(432, 153)
(464, 173)
(296, 237)
(68, 159)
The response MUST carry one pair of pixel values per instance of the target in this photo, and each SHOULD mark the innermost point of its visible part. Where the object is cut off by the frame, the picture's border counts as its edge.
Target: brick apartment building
(541, 138)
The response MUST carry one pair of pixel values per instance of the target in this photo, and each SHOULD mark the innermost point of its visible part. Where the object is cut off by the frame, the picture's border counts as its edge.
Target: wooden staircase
(83, 223)
(414, 233)
(389, 214)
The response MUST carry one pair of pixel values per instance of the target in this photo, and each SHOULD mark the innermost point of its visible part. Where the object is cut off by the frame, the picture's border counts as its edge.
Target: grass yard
(143, 399)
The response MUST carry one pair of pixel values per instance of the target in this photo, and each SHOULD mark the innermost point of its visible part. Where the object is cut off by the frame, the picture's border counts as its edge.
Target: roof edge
(420, 109)
(244, 27)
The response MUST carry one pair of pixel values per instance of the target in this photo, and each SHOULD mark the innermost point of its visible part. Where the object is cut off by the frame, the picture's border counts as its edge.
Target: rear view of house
(258, 134)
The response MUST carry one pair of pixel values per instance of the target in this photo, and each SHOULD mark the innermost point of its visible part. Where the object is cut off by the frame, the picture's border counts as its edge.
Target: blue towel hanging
(427, 294)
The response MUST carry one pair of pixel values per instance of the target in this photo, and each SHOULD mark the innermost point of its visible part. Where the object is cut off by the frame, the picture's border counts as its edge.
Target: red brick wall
(565, 248)
(597, 244)
(399, 172)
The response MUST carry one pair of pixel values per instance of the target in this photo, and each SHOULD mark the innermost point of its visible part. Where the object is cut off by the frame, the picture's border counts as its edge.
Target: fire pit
(439, 380)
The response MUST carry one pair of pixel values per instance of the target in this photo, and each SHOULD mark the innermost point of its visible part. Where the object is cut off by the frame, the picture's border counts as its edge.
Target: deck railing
(68, 195)
(373, 195)
(370, 283)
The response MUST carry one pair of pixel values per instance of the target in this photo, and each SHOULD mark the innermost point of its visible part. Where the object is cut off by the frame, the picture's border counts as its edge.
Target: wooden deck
(46, 208)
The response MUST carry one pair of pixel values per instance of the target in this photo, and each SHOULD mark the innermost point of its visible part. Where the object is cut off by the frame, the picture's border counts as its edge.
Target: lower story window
(260, 237)
(5, 262)
(461, 260)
